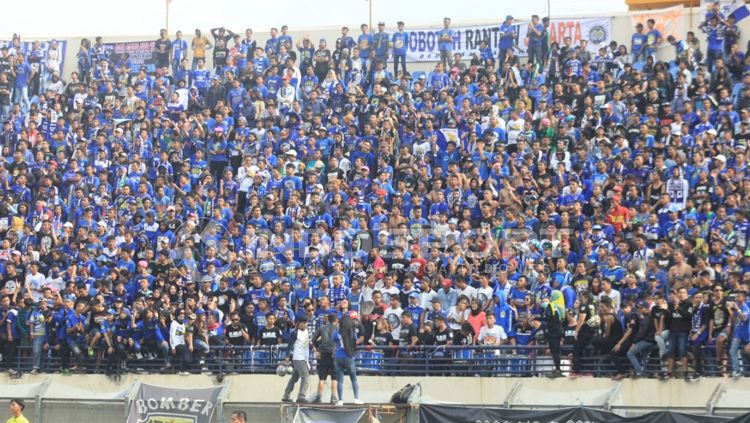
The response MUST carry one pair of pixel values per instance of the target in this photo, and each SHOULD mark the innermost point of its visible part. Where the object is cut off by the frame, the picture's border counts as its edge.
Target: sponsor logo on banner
(423, 43)
(594, 30)
(669, 21)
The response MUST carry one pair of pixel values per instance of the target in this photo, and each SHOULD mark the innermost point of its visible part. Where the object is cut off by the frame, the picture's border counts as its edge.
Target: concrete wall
(97, 396)
(621, 30)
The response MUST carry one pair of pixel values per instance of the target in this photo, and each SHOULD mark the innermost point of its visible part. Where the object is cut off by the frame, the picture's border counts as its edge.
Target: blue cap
(126, 312)
(200, 311)
(692, 216)
(414, 295)
(112, 312)
(70, 297)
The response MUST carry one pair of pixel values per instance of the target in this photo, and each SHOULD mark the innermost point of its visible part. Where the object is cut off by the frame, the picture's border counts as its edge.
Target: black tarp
(429, 413)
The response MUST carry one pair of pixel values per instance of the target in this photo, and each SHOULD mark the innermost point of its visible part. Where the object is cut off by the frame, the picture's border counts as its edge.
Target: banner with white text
(423, 43)
(156, 404)
(28, 50)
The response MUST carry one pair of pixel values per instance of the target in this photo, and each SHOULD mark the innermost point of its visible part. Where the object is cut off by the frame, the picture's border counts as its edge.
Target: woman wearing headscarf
(552, 317)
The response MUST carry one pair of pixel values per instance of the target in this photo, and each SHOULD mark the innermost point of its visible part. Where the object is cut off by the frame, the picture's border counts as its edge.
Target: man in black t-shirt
(644, 336)
(443, 337)
(681, 311)
(719, 323)
(408, 335)
(236, 332)
(588, 322)
(269, 335)
(163, 47)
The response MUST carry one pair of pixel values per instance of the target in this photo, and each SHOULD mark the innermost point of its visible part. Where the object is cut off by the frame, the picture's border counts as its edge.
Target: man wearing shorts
(324, 346)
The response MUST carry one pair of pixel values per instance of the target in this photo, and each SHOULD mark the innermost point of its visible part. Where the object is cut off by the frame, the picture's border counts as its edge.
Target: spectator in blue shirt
(445, 42)
(400, 43)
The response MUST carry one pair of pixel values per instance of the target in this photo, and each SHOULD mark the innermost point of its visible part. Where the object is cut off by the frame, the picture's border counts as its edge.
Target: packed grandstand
(551, 209)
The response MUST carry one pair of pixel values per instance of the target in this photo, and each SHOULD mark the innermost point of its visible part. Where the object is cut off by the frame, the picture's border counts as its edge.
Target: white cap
(292, 152)
(721, 158)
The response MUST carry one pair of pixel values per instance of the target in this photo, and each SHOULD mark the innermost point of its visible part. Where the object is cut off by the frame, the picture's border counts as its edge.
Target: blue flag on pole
(738, 10)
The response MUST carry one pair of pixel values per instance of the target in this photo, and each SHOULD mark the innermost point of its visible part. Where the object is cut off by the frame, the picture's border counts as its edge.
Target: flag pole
(166, 5)
(370, 4)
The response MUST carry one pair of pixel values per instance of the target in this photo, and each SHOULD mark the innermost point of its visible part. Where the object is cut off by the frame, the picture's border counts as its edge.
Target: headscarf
(557, 302)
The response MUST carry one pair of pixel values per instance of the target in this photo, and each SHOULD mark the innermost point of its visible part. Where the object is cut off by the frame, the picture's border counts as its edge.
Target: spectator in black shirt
(587, 323)
(719, 327)
(552, 318)
(644, 338)
(632, 323)
(681, 311)
(270, 334)
(236, 332)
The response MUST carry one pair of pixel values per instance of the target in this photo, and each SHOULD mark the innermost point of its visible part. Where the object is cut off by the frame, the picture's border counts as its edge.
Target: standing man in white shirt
(299, 353)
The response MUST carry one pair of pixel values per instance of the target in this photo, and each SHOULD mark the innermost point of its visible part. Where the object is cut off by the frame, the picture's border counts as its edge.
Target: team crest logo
(597, 34)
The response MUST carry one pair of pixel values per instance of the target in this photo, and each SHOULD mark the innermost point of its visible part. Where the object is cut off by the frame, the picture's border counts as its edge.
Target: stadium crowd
(590, 197)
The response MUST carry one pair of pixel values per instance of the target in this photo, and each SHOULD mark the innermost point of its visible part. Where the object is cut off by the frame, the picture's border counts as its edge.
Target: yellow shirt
(19, 419)
(199, 47)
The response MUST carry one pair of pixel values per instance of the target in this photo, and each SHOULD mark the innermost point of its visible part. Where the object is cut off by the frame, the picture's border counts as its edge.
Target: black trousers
(584, 338)
(554, 343)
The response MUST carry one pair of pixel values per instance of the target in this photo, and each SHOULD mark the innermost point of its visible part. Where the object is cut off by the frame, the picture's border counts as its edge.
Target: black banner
(463, 414)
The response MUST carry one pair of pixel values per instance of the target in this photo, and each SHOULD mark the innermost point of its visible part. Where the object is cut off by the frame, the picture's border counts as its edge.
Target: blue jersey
(73, 320)
(364, 42)
(447, 43)
(636, 42)
(741, 328)
(201, 78)
(179, 50)
(400, 42)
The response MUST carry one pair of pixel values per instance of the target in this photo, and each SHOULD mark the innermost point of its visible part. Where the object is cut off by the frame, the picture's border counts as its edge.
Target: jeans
(37, 346)
(734, 351)
(661, 342)
(639, 56)
(445, 58)
(396, 60)
(22, 97)
(300, 370)
(77, 348)
(341, 365)
(535, 53)
(678, 344)
(633, 353)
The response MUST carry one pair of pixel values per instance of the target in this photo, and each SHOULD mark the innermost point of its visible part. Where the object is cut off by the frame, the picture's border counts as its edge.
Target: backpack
(409, 394)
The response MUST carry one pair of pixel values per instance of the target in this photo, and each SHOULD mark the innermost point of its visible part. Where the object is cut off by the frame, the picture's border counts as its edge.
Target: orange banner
(669, 21)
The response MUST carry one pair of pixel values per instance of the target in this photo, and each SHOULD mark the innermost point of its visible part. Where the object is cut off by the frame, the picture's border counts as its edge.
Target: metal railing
(486, 361)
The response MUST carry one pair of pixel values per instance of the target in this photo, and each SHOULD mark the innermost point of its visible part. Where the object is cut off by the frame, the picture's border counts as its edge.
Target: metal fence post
(38, 414)
(131, 395)
(220, 405)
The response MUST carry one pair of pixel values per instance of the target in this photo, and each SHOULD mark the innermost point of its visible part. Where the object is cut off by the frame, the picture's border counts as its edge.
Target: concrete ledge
(531, 392)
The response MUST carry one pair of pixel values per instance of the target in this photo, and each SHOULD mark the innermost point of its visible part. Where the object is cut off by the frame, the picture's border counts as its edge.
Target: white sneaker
(358, 401)
(339, 403)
